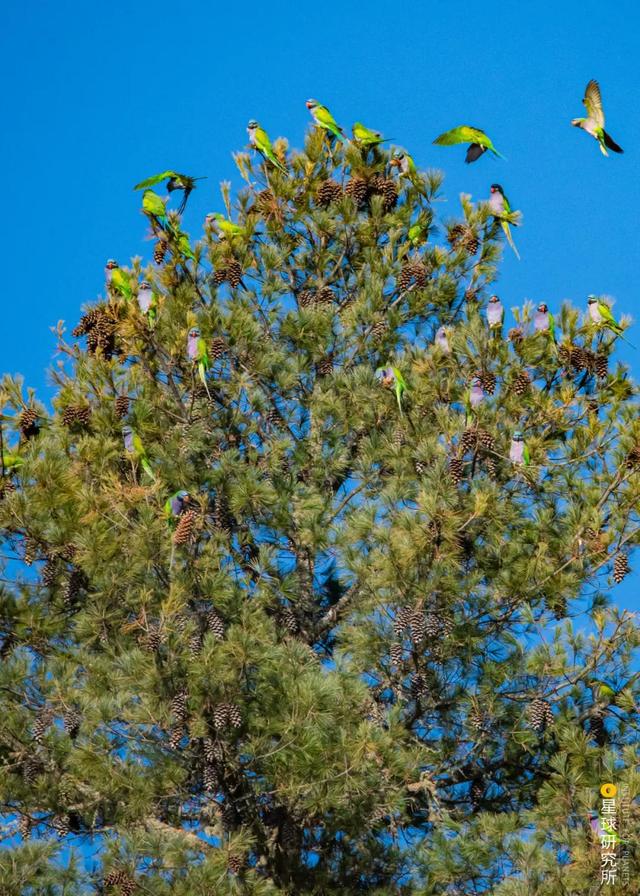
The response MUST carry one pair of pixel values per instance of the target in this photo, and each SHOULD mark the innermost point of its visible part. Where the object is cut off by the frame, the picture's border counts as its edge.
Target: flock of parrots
(155, 208)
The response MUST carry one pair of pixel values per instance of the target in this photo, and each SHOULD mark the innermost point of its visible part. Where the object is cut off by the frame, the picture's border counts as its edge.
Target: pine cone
(42, 724)
(325, 366)
(521, 383)
(419, 689)
(432, 625)
(488, 381)
(540, 714)
(61, 825)
(121, 880)
(288, 621)
(329, 191)
(597, 727)
(221, 716)
(71, 721)
(476, 718)
(273, 417)
(76, 582)
(215, 624)
(29, 551)
(491, 467)
(399, 437)
(357, 189)
(76, 415)
(382, 186)
(486, 440)
(159, 251)
(222, 517)
(396, 654)
(50, 571)
(516, 335)
(621, 567)
(24, 827)
(632, 460)
(217, 347)
(325, 296)
(602, 366)
(234, 715)
(378, 330)
(185, 529)
(455, 470)
(32, 768)
(179, 706)
(307, 298)
(402, 620)
(219, 276)
(210, 777)
(153, 638)
(29, 423)
(122, 406)
(468, 440)
(413, 272)
(234, 273)
(235, 863)
(421, 467)
(418, 626)
(463, 236)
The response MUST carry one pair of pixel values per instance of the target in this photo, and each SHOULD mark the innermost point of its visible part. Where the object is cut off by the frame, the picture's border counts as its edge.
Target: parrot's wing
(462, 134)
(325, 117)
(262, 139)
(137, 444)
(593, 102)
(399, 378)
(526, 455)
(605, 312)
(156, 179)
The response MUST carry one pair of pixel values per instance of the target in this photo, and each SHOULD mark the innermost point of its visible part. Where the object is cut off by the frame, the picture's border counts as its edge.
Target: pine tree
(352, 662)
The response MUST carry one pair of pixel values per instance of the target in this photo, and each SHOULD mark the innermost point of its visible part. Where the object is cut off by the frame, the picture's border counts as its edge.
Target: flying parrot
(197, 352)
(499, 205)
(392, 377)
(479, 141)
(365, 136)
(175, 506)
(324, 119)
(543, 321)
(222, 226)
(442, 341)
(519, 452)
(600, 314)
(133, 445)
(495, 313)
(259, 138)
(148, 301)
(175, 181)
(594, 123)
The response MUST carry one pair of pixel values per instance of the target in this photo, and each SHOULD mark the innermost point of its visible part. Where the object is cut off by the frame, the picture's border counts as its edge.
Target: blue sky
(97, 96)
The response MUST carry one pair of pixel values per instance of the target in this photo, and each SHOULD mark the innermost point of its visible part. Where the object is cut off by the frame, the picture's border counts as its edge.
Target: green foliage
(350, 664)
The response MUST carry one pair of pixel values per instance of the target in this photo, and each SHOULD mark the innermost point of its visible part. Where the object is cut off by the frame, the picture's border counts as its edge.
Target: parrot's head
(145, 285)
(253, 124)
(111, 265)
(517, 436)
(494, 300)
(311, 104)
(542, 308)
(496, 188)
(194, 332)
(442, 331)
(592, 300)
(127, 431)
(398, 159)
(576, 122)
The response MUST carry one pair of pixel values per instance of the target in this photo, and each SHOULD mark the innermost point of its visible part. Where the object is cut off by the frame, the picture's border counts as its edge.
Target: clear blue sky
(96, 96)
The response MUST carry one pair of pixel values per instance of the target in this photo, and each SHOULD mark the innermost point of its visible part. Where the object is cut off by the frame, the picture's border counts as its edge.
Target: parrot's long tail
(146, 466)
(507, 233)
(203, 378)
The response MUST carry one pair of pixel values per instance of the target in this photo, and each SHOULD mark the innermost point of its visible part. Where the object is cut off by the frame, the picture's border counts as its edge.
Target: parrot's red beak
(308, 104)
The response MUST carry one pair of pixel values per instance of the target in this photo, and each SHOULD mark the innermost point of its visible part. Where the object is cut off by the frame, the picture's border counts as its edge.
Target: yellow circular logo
(608, 790)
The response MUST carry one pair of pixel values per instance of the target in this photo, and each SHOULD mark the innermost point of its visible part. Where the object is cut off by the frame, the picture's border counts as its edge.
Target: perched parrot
(324, 119)
(594, 123)
(148, 301)
(119, 281)
(543, 321)
(365, 136)
(259, 138)
(222, 226)
(499, 205)
(175, 506)
(418, 233)
(519, 452)
(175, 181)
(442, 341)
(392, 377)
(109, 268)
(495, 313)
(197, 352)
(407, 168)
(11, 461)
(473, 398)
(600, 314)
(155, 209)
(133, 445)
(602, 691)
(479, 141)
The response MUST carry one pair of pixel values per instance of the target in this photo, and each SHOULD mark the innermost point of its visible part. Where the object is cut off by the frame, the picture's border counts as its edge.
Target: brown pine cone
(217, 347)
(325, 366)
(160, 250)
(602, 366)
(122, 406)
(185, 529)
(621, 567)
(521, 383)
(382, 186)
(329, 191)
(234, 273)
(488, 381)
(379, 329)
(357, 189)
(468, 440)
(29, 423)
(307, 298)
(455, 470)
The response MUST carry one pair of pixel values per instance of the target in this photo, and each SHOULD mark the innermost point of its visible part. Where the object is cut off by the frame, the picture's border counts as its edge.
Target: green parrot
(259, 138)
(175, 506)
(365, 136)
(148, 302)
(120, 282)
(224, 227)
(155, 209)
(133, 446)
(198, 353)
(175, 181)
(392, 377)
(479, 141)
(600, 314)
(594, 123)
(324, 119)
(11, 461)
(418, 233)
(519, 450)
(407, 168)
(602, 691)
(501, 209)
